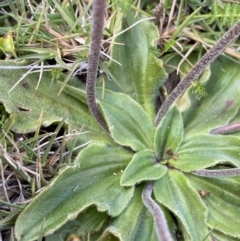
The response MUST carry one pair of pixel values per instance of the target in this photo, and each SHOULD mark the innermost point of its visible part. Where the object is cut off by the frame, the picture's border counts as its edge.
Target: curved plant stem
(95, 47)
(232, 172)
(197, 70)
(227, 129)
(162, 231)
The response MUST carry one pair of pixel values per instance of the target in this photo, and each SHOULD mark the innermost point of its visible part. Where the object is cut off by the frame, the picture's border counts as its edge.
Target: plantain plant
(147, 174)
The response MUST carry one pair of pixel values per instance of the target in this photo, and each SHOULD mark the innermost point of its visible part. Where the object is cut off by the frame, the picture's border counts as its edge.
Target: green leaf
(123, 5)
(144, 166)
(140, 73)
(169, 134)
(135, 223)
(129, 124)
(175, 193)
(96, 182)
(221, 104)
(27, 102)
(204, 151)
(222, 237)
(223, 202)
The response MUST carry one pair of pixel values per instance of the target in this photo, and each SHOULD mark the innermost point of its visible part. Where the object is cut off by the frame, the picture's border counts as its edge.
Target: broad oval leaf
(202, 151)
(169, 134)
(143, 166)
(222, 200)
(96, 182)
(175, 193)
(140, 73)
(128, 123)
(29, 98)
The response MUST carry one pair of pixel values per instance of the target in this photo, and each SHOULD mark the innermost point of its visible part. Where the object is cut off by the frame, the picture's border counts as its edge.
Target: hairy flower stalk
(162, 231)
(232, 172)
(95, 47)
(227, 129)
(197, 70)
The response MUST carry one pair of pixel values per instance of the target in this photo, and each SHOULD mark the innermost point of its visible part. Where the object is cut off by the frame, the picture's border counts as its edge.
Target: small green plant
(228, 13)
(148, 175)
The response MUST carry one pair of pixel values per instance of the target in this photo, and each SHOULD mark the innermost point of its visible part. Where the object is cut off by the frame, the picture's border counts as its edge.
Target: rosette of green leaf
(98, 181)
(30, 96)
(102, 167)
(202, 151)
(132, 127)
(174, 192)
(141, 73)
(94, 180)
(223, 202)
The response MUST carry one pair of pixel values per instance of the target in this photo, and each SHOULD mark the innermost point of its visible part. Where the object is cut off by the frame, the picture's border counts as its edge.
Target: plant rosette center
(100, 197)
